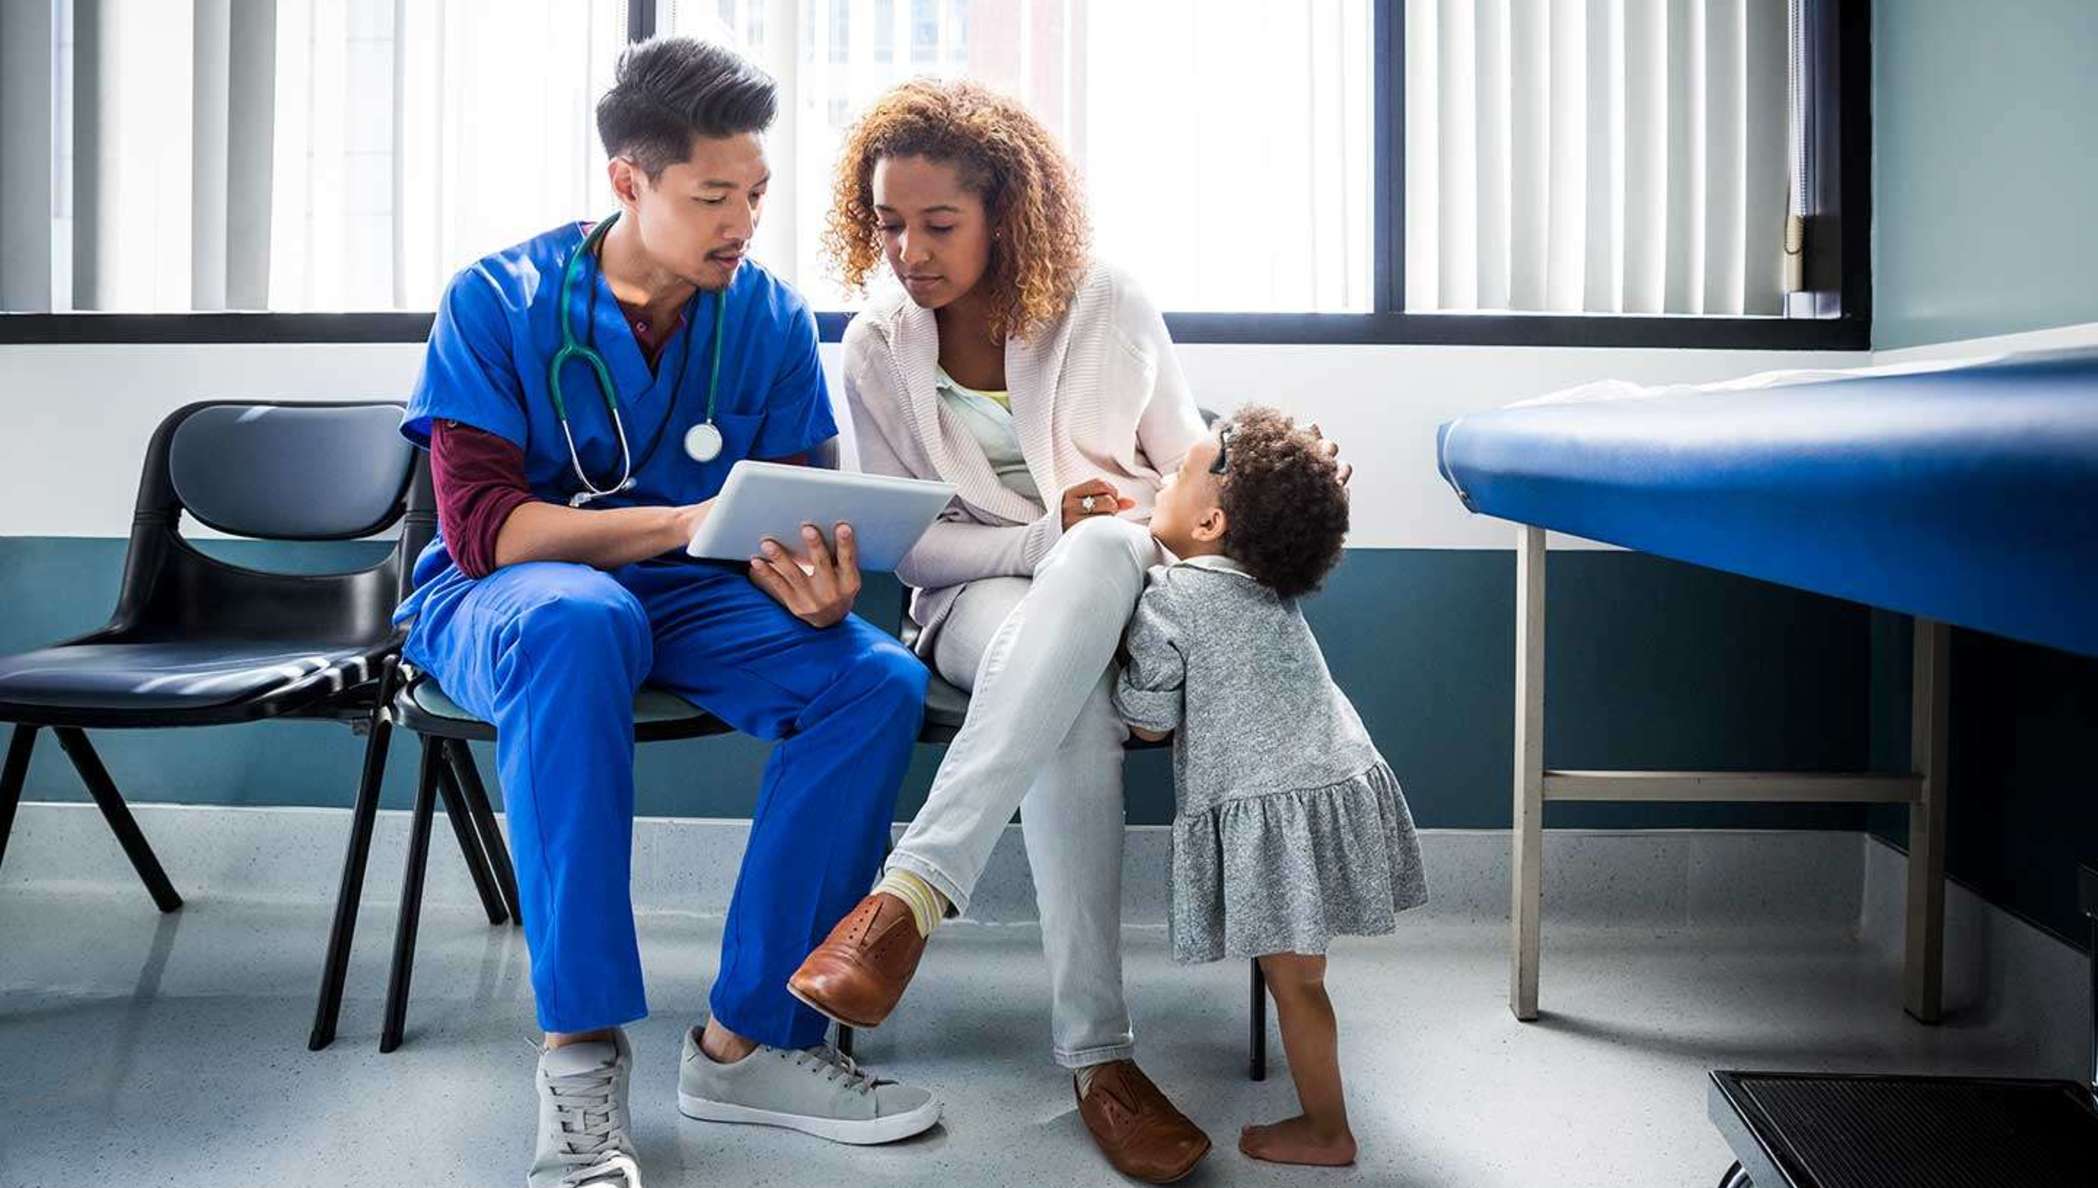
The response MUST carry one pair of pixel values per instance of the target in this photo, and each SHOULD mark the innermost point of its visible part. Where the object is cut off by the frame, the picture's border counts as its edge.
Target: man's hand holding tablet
(816, 585)
(769, 514)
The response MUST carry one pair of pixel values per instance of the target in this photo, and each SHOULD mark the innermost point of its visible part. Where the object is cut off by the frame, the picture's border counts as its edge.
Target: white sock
(926, 903)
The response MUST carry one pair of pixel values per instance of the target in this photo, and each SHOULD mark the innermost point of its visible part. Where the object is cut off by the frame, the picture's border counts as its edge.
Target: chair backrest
(273, 471)
(291, 472)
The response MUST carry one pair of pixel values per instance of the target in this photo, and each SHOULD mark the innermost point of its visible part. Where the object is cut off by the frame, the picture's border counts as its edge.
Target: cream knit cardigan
(1096, 394)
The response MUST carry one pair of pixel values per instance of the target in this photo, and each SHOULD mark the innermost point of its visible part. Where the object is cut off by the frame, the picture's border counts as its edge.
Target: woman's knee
(1104, 545)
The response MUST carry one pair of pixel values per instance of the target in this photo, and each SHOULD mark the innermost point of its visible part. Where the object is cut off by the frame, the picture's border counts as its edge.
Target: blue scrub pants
(552, 653)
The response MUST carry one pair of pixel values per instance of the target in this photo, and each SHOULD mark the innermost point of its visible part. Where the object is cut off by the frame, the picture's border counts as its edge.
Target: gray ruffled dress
(1291, 829)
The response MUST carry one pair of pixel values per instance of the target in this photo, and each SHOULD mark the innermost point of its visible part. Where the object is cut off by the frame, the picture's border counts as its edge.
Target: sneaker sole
(830, 1014)
(854, 1132)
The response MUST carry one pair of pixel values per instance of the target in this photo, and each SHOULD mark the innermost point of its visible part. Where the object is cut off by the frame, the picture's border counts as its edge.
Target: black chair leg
(468, 832)
(1257, 1065)
(844, 1040)
(12, 777)
(411, 899)
(121, 823)
(349, 895)
(468, 776)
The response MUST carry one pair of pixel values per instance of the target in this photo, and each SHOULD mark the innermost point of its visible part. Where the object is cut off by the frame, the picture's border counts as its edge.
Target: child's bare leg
(1311, 1040)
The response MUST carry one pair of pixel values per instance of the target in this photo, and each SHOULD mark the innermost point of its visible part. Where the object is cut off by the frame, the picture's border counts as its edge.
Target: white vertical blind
(1193, 123)
(290, 154)
(1602, 264)
(30, 35)
(1764, 181)
(170, 155)
(1599, 156)
(1529, 170)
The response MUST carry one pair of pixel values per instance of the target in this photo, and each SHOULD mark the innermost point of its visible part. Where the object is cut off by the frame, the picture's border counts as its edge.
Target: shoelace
(616, 1170)
(593, 1137)
(836, 1064)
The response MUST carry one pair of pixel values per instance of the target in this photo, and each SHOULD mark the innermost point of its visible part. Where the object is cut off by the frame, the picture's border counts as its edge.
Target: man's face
(697, 217)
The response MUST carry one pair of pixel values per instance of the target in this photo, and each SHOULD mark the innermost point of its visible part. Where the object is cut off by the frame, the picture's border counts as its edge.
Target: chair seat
(945, 706)
(658, 714)
(186, 675)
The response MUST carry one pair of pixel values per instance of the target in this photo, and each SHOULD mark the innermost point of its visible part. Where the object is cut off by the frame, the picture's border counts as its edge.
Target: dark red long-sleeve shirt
(480, 477)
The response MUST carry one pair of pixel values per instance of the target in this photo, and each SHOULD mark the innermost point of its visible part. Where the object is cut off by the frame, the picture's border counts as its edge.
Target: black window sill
(1379, 329)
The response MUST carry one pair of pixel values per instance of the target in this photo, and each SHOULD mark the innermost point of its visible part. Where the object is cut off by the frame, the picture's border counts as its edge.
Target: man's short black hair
(671, 89)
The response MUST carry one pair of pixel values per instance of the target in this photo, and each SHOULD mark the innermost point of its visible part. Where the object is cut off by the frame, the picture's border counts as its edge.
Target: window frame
(1844, 134)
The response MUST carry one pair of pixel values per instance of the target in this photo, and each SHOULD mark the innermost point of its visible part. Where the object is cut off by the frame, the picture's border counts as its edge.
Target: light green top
(989, 416)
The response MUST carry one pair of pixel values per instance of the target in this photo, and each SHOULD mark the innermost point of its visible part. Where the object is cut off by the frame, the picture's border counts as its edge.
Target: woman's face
(934, 230)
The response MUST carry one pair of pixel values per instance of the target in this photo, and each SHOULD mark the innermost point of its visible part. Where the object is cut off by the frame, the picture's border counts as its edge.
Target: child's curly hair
(1285, 510)
(1030, 192)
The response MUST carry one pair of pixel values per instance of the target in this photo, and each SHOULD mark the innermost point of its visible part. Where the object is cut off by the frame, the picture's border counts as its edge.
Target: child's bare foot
(1298, 1140)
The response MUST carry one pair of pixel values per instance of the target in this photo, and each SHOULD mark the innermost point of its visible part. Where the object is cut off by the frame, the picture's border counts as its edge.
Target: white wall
(77, 418)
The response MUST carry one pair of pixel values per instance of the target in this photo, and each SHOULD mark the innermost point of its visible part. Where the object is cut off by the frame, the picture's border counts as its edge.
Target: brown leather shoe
(859, 971)
(1139, 1131)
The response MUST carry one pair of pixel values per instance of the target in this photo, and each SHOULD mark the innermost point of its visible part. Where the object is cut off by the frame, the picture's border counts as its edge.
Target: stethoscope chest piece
(703, 442)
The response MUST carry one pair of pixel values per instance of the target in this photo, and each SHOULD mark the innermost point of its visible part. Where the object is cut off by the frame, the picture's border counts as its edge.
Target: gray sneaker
(818, 1091)
(584, 1132)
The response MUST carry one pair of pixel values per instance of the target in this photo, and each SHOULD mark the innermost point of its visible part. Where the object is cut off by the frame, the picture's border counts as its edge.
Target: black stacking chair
(196, 641)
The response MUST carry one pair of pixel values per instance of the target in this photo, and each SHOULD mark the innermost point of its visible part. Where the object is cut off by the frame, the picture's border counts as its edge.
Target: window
(296, 155)
(1208, 224)
(1596, 156)
(1591, 172)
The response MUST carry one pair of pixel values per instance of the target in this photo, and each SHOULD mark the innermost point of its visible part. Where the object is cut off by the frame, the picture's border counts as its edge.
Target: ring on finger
(1086, 504)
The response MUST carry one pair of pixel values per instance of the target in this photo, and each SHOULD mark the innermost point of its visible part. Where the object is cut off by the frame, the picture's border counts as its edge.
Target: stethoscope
(702, 442)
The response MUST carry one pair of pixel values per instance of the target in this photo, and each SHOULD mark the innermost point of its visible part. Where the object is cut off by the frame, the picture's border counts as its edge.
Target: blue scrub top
(497, 330)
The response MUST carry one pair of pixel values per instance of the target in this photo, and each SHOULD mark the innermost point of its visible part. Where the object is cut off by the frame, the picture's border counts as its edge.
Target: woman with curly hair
(1042, 384)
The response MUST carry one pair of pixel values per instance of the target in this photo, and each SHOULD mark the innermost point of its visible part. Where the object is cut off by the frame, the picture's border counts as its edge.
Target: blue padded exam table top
(1961, 492)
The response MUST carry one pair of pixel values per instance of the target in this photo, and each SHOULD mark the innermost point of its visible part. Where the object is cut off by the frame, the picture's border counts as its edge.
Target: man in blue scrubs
(545, 618)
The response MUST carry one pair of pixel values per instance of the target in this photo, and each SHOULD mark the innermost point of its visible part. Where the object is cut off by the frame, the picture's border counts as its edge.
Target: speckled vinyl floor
(137, 1049)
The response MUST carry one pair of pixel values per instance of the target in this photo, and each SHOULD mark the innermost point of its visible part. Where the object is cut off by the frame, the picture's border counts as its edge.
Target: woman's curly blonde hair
(1030, 193)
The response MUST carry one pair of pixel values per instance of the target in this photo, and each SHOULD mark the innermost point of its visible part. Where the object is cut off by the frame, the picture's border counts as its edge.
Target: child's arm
(1148, 690)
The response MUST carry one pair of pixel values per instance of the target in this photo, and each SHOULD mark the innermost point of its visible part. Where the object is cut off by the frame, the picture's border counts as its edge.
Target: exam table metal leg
(1527, 835)
(1923, 949)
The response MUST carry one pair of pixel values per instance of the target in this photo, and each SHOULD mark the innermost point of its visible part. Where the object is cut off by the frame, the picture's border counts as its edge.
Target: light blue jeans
(1042, 735)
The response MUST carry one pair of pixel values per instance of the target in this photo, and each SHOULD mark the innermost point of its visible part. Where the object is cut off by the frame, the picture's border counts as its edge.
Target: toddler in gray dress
(1291, 829)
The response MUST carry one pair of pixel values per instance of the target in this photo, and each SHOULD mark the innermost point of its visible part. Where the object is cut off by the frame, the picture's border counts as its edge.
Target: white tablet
(762, 499)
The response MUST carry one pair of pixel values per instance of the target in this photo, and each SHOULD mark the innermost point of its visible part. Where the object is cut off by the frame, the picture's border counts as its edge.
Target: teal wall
(1651, 664)
(1985, 164)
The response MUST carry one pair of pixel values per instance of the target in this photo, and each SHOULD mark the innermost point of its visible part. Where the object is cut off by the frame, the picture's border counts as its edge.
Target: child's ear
(1210, 527)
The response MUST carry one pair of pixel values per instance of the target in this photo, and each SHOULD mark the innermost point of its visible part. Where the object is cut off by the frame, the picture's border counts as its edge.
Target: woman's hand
(821, 597)
(1106, 501)
(1150, 735)
(1332, 449)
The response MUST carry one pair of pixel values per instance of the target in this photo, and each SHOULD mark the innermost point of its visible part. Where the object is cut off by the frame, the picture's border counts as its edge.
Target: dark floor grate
(1927, 1132)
